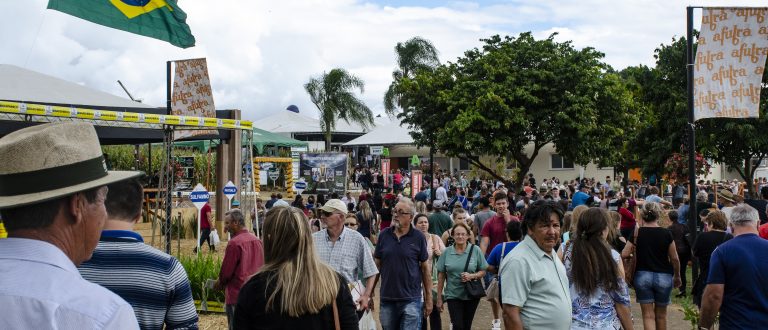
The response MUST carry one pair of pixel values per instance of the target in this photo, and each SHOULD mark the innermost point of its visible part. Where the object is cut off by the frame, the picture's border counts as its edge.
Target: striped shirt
(153, 282)
(349, 255)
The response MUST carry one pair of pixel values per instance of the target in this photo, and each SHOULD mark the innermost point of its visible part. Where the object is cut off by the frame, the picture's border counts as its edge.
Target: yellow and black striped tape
(34, 109)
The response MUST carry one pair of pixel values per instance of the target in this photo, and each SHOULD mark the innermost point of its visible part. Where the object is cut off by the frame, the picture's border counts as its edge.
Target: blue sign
(199, 196)
(230, 190)
(300, 185)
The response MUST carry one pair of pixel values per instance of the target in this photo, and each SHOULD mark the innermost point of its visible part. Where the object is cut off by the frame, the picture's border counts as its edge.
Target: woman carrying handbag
(460, 269)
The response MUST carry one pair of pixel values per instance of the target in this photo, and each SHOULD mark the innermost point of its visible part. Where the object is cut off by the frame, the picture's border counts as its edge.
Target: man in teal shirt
(534, 284)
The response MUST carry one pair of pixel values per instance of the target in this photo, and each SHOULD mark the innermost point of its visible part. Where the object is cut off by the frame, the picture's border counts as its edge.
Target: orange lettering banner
(730, 60)
(192, 95)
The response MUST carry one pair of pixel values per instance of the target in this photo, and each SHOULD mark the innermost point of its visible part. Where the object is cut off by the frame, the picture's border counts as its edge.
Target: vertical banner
(324, 173)
(192, 95)
(295, 157)
(730, 60)
(385, 171)
(416, 181)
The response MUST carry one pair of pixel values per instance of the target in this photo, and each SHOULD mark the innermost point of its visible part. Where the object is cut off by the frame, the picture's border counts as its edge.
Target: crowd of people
(554, 256)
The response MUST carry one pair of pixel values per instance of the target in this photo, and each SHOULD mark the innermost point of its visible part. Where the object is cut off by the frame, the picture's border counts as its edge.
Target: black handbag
(475, 289)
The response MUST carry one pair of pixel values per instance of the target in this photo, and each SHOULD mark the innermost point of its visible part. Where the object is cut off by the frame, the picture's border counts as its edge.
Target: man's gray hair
(236, 215)
(702, 196)
(410, 203)
(744, 215)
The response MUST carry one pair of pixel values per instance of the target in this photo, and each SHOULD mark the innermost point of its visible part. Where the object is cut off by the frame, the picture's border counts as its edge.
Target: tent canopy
(261, 138)
(285, 121)
(385, 134)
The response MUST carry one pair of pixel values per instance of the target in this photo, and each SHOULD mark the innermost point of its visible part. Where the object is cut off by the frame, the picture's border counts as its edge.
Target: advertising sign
(377, 150)
(385, 171)
(416, 181)
(730, 61)
(192, 95)
(324, 173)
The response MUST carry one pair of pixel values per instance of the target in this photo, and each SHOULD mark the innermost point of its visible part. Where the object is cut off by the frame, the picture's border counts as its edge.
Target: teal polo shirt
(536, 282)
(452, 264)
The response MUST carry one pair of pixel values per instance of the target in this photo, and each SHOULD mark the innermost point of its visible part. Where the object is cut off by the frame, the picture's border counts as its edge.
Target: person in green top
(451, 277)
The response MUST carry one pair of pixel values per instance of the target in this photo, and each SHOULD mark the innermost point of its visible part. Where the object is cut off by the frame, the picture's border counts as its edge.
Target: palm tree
(412, 56)
(333, 94)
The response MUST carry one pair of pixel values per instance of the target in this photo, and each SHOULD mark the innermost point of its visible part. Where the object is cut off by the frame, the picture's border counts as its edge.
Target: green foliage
(516, 92)
(333, 94)
(122, 157)
(416, 54)
(199, 270)
(662, 91)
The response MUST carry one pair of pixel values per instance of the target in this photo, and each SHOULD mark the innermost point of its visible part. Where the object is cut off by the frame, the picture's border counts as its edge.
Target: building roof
(390, 133)
(285, 121)
(19, 84)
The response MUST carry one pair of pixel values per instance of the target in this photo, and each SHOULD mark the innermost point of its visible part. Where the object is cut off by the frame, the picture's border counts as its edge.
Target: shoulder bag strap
(469, 256)
(336, 322)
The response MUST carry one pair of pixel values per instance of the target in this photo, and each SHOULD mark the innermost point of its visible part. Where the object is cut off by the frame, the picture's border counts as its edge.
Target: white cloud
(260, 53)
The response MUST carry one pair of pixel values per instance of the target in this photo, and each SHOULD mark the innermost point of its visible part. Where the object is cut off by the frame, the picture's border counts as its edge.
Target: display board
(324, 173)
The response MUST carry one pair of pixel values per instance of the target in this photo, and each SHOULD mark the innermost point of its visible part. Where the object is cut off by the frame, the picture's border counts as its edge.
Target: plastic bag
(215, 240)
(367, 322)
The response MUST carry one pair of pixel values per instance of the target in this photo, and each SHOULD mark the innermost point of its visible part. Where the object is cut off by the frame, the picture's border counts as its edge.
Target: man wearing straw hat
(52, 189)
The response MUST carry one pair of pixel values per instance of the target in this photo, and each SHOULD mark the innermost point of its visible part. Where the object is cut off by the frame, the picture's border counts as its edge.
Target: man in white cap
(52, 189)
(346, 251)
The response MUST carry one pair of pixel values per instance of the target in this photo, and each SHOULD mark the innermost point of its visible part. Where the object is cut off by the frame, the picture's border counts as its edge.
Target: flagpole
(169, 187)
(693, 214)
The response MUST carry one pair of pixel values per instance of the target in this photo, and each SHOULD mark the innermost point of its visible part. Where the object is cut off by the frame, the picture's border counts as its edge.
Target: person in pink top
(243, 257)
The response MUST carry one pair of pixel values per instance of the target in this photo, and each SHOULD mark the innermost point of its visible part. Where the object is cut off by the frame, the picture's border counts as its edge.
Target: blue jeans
(397, 315)
(651, 287)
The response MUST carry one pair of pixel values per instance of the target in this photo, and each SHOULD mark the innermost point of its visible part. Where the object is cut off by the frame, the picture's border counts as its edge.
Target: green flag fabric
(159, 19)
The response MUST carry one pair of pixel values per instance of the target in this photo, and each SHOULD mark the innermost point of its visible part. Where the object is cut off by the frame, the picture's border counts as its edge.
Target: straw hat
(43, 162)
(728, 195)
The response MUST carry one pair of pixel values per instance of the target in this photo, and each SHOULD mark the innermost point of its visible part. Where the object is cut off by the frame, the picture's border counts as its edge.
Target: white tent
(290, 122)
(19, 84)
(386, 134)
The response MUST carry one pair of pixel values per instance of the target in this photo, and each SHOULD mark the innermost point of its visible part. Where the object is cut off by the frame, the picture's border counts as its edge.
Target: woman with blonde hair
(366, 220)
(658, 266)
(279, 296)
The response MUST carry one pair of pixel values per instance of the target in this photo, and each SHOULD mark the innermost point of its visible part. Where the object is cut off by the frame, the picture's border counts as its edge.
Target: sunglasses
(326, 213)
(350, 224)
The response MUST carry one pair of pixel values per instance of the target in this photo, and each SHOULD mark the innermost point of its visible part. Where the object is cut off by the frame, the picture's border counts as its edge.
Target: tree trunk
(328, 141)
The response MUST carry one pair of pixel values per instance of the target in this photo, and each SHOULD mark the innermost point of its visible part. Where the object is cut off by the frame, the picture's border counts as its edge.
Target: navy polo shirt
(400, 261)
(741, 264)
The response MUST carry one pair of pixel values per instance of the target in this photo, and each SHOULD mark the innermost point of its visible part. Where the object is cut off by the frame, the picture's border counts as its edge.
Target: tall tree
(414, 55)
(333, 95)
(518, 92)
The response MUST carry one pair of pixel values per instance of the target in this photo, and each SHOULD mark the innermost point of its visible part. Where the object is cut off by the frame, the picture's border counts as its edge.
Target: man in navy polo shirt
(738, 272)
(402, 259)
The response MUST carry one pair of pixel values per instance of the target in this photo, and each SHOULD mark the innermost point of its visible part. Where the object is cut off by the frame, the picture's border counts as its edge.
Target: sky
(261, 53)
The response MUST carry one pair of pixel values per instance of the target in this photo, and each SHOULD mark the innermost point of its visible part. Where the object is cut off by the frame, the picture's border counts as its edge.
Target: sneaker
(496, 324)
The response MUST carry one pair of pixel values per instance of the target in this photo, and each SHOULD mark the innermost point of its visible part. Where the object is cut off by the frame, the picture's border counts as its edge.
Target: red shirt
(763, 230)
(496, 231)
(206, 210)
(627, 219)
(397, 178)
(243, 258)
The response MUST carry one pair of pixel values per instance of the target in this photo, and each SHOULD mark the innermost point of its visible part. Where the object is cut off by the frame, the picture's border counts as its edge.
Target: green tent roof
(261, 138)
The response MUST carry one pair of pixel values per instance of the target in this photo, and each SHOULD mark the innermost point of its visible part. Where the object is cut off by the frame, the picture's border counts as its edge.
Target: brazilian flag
(159, 19)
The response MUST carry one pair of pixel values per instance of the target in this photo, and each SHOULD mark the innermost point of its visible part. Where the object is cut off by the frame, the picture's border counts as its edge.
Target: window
(463, 164)
(558, 162)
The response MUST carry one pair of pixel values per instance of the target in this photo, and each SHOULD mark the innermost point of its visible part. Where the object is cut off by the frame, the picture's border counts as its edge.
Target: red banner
(385, 171)
(416, 181)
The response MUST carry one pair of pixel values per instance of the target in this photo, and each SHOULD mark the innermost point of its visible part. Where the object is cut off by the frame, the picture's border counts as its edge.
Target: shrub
(199, 270)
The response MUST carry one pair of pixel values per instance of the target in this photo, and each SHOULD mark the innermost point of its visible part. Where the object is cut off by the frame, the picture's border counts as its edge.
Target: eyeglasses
(401, 212)
(350, 224)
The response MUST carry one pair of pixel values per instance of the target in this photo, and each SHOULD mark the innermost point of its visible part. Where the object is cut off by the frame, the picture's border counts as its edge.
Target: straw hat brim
(32, 198)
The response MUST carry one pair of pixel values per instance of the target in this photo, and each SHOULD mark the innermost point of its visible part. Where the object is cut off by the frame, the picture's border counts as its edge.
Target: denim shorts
(653, 287)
